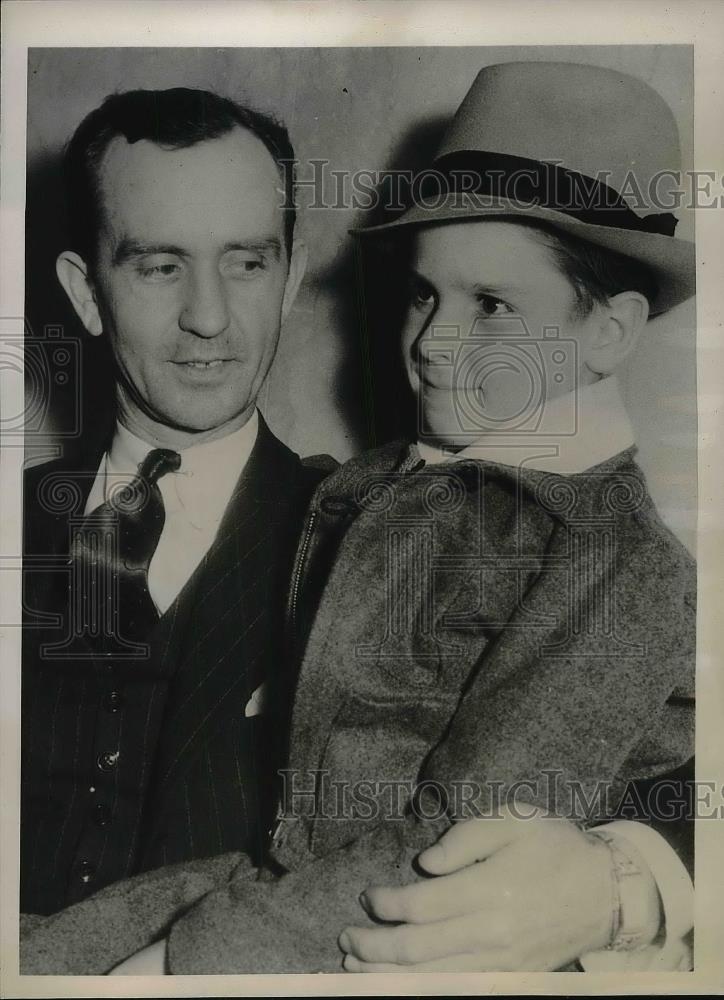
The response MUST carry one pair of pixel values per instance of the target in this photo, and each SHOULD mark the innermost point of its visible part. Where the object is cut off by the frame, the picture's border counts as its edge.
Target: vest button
(86, 871)
(113, 701)
(107, 760)
(101, 815)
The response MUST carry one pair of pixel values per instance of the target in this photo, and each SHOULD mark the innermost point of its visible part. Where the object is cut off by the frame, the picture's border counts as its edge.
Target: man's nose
(205, 311)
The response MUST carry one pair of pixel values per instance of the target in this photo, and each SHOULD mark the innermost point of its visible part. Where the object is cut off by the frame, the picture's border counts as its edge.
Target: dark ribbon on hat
(483, 179)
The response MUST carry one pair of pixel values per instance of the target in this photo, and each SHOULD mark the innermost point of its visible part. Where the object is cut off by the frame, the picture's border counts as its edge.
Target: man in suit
(148, 645)
(171, 891)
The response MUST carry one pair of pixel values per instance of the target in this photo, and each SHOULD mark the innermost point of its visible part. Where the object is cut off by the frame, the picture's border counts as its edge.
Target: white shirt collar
(203, 483)
(602, 429)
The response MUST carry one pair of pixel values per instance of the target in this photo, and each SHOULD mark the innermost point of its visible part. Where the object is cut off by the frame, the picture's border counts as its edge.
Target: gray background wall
(373, 108)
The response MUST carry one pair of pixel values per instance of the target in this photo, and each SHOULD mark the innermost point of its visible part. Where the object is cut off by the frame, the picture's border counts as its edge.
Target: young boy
(493, 613)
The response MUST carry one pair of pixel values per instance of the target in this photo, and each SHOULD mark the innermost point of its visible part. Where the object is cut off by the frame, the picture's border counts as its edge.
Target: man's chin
(204, 426)
(180, 427)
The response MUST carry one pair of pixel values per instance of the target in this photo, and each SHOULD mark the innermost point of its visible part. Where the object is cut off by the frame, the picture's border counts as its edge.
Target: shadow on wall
(369, 281)
(78, 383)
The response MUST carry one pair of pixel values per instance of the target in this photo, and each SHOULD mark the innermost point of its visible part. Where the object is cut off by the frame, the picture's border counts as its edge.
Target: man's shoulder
(56, 490)
(48, 485)
(60, 482)
(343, 478)
(319, 466)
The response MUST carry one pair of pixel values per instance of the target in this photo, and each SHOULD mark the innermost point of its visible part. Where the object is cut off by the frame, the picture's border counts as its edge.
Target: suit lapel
(221, 627)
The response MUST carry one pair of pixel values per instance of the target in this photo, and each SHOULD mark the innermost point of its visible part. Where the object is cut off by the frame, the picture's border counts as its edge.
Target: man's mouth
(202, 364)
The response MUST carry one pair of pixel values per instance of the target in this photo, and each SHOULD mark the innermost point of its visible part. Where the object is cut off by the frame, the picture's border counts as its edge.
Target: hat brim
(672, 260)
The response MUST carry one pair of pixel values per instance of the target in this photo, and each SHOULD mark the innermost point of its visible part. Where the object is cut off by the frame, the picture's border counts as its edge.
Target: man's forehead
(215, 174)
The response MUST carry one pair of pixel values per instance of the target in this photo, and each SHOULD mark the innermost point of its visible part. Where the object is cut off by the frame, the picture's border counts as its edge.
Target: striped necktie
(111, 552)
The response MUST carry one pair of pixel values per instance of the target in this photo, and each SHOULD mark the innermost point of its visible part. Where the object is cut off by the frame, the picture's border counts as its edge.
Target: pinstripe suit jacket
(173, 723)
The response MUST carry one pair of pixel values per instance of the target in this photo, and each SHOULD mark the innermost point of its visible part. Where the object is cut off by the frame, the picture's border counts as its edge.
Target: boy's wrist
(636, 907)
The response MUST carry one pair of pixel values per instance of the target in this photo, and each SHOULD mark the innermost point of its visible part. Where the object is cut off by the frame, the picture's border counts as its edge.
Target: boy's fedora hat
(584, 149)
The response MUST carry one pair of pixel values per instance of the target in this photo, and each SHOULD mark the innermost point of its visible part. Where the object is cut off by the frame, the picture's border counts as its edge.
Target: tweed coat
(473, 630)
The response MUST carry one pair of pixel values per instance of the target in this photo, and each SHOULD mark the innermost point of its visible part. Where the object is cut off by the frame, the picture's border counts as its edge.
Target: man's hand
(542, 898)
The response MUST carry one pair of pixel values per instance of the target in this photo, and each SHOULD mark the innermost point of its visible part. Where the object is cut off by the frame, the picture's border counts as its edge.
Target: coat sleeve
(221, 915)
(588, 686)
(91, 937)
(291, 923)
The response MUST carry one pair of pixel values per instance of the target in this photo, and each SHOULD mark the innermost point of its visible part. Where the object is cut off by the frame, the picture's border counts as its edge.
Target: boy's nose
(439, 338)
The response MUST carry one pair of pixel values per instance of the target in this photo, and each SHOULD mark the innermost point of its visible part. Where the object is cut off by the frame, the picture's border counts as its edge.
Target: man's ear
(621, 323)
(73, 275)
(297, 267)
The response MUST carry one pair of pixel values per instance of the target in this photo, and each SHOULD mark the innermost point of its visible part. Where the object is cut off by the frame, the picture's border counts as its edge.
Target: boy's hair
(595, 273)
(173, 119)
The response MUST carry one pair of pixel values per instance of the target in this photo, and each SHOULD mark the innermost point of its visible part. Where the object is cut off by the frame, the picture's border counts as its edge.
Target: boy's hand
(542, 898)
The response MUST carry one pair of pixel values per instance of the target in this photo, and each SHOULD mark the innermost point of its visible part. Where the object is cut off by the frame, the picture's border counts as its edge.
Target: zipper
(311, 520)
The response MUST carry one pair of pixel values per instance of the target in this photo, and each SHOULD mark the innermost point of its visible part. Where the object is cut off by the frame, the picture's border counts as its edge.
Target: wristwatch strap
(630, 927)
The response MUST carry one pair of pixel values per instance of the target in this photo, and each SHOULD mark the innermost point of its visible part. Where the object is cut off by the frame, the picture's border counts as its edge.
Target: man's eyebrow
(130, 249)
(268, 244)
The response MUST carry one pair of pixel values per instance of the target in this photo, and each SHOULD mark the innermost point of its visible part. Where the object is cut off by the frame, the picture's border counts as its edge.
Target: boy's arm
(294, 925)
(568, 713)
(93, 936)
(221, 915)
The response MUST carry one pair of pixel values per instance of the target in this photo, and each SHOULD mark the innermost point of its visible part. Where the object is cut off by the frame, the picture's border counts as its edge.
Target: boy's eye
(490, 306)
(421, 294)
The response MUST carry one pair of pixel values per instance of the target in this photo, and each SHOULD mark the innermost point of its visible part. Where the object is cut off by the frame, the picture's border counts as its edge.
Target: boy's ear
(73, 275)
(621, 323)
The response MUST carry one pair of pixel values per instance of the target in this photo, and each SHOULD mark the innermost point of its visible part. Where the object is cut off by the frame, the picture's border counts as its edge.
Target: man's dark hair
(595, 273)
(173, 119)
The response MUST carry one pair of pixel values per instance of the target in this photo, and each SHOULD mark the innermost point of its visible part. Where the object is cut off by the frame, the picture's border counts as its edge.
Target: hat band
(479, 179)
